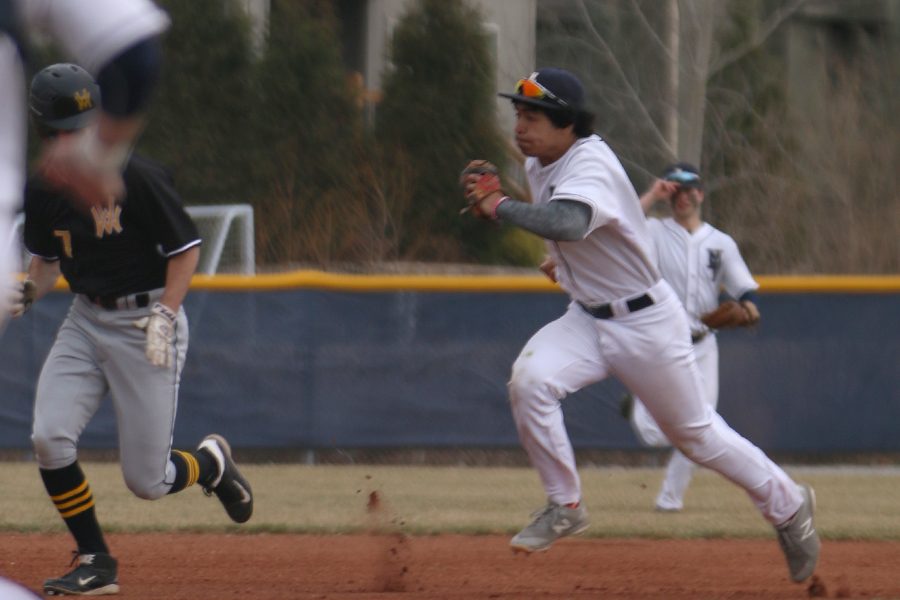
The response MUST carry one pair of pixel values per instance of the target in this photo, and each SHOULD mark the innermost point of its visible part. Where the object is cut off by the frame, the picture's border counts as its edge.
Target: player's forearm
(179, 271)
(560, 220)
(128, 82)
(647, 201)
(659, 191)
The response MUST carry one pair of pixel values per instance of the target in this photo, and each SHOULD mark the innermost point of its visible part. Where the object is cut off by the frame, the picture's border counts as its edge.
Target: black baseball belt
(605, 311)
(140, 300)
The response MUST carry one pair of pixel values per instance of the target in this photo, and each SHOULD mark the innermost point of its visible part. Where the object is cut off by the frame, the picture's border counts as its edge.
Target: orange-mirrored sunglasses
(530, 88)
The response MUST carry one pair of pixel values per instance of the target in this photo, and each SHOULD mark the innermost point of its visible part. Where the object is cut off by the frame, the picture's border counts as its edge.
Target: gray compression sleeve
(560, 220)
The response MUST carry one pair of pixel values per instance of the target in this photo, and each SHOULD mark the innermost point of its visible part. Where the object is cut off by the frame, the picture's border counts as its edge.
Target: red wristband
(496, 205)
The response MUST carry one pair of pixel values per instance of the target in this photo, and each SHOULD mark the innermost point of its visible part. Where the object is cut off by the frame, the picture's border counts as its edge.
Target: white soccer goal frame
(242, 216)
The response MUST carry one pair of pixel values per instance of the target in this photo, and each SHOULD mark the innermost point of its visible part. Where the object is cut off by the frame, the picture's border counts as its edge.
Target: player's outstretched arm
(560, 220)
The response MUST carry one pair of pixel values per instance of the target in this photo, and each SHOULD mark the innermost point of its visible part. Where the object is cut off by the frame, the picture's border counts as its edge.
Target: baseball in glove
(480, 181)
(731, 313)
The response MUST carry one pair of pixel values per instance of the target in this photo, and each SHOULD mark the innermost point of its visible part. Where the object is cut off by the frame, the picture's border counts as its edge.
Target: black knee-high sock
(191, 467)
(71, 494)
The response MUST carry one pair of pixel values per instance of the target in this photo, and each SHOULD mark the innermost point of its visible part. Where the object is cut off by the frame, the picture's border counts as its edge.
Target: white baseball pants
(651, 353)
(680, 469)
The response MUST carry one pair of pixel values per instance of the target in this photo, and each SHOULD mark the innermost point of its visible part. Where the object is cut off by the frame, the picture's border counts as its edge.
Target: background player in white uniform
(114, 39)
(624, 320)
(699, 262)
(126, 335)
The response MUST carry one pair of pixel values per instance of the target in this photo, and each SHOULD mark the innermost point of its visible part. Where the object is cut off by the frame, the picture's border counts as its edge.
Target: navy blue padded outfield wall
(310, 360)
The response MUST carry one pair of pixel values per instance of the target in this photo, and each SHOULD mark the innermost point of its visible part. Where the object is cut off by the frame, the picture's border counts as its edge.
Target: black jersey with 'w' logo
(111, 250)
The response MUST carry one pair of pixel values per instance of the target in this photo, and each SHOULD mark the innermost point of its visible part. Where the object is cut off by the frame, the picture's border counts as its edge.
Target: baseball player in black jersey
(130, 264)
(118, 41)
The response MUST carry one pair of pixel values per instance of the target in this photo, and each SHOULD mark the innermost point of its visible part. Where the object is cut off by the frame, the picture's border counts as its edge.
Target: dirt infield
(188, 566)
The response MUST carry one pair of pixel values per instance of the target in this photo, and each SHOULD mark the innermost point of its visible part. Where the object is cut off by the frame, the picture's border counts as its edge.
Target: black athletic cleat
(95, 575)
(229, 485)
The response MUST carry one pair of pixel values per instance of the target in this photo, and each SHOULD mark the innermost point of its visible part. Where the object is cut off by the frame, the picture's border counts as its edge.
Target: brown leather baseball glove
(731, 313)
(480, 181)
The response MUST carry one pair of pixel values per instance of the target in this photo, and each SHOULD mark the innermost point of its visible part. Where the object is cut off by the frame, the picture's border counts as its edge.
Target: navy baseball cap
(552, 88)
(684, 174)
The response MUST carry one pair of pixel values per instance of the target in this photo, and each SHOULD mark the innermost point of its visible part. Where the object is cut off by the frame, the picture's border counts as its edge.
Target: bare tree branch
(631, 91)
(643, 18)
(772, 23)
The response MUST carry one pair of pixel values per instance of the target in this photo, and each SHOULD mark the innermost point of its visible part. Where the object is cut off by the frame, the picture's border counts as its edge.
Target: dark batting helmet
(62, 98)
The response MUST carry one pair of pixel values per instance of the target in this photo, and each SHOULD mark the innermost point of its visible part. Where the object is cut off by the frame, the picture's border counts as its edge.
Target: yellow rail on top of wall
(310, 279)
(509, 283)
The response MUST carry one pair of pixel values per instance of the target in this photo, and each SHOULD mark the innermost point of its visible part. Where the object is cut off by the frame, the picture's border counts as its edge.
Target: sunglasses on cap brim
(530, 88)
(683, 178)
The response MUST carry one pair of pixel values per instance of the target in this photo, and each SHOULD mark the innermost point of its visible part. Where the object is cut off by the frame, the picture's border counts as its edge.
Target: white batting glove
(160, 328)
(22, 297)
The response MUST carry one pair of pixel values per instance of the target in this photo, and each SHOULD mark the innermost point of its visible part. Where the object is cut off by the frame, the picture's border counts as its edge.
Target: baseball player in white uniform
(624, 320)
(117, 40)
(699, 262)
(13, 591)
